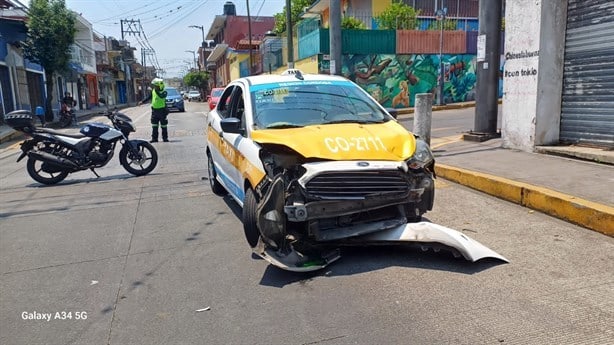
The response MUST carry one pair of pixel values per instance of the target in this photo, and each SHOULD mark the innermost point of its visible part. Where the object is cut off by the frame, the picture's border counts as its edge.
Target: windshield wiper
(282, 126)
(361, 122)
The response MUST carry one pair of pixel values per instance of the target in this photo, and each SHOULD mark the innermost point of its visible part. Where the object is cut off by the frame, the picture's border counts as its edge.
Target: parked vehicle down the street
(174, 100)
(322, 165)
(214, 97)
(194, 95)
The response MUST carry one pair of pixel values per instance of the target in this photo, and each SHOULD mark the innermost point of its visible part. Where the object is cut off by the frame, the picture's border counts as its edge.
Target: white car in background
(194, 95)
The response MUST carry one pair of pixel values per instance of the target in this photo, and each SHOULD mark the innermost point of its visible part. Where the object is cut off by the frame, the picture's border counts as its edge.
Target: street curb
(591, 215)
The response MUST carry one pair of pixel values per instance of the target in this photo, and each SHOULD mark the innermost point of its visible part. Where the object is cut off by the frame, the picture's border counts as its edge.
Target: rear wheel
(142, 161)
(216, 186)
(250, 225)
(51, 176)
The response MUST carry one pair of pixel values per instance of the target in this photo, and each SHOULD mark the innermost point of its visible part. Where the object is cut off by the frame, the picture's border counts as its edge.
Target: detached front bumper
(423, 233)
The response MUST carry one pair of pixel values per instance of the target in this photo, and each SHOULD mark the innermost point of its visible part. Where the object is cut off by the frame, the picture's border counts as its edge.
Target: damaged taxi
(315, 162)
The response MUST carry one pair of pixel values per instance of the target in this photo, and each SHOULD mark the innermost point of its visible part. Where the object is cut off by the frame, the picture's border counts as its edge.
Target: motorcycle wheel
(142, 163)
(35, 170)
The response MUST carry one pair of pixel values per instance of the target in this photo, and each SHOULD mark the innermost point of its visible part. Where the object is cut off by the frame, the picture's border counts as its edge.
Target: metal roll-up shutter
(587, 114)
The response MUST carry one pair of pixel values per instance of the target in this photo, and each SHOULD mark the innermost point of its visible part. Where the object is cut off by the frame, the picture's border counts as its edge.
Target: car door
(231, 143)
(218, 149)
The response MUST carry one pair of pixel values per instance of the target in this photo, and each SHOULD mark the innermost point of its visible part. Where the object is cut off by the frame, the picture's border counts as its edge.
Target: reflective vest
(158, 102)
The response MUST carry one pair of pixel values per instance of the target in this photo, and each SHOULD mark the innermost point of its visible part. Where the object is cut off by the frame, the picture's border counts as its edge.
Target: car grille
(356, 184)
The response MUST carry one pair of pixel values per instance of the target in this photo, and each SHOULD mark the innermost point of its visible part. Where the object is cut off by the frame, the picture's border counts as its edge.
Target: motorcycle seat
(54, 132)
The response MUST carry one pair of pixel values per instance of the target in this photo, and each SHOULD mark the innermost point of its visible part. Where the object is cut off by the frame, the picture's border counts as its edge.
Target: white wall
(520, 73)
(533, 72)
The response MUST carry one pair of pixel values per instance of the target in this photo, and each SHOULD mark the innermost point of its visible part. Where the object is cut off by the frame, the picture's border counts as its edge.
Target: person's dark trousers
(158, 119)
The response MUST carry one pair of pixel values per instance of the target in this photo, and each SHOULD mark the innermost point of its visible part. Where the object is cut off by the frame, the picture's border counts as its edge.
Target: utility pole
(249, 32)
(194, 58)
(488, 55)
(131, 27)
(335, 37)
(441, 17)
(289, 33)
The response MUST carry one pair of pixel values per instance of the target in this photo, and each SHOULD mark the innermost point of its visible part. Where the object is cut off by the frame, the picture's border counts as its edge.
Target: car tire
(182, 110)
(216, 186)
(249, 218)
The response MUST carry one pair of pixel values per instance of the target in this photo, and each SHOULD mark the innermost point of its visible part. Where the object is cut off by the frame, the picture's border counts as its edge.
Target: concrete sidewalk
(578, 191)
(574, 190)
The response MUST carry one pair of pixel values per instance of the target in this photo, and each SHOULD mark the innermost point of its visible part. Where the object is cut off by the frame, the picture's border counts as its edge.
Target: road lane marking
(439, 142)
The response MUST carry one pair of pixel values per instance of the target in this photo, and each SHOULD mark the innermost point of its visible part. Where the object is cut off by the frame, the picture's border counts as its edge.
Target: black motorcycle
(52, 155)
(67, 114)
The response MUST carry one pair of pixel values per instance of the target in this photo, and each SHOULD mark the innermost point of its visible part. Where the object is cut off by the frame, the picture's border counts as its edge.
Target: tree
(198, 79)
(51, 32)
(352, 23)
(398, 16)
(296, 8)
(448, 24)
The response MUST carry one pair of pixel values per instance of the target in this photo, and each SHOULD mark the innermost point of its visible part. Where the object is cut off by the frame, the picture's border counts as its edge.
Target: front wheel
(141, 161)
(250, 225)
(45, 175)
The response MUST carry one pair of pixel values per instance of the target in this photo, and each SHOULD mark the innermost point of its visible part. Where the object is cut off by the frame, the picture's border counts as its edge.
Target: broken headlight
(422, 156)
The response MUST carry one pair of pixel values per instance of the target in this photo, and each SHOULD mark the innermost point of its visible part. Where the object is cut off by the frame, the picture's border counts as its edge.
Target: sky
(166, 24)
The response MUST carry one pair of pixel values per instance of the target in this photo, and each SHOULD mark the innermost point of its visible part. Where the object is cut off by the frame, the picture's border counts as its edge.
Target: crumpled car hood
(346, 141)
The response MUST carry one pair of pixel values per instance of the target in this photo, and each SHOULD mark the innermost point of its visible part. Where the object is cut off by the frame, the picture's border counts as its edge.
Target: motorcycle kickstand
(92, 169)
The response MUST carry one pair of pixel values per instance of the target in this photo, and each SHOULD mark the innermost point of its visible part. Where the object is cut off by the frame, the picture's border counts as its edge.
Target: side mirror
(231, 125)
(393, 112)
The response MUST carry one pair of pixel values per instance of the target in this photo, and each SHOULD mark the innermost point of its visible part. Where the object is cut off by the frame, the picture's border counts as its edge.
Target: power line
(125, 13)
(162, 29)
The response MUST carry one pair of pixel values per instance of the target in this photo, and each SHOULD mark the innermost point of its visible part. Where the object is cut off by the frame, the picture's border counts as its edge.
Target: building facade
(229, 34)
(559, 73)
(22, 83)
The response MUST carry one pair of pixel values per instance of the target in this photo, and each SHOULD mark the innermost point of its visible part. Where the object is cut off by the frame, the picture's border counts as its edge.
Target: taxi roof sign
(295, 72)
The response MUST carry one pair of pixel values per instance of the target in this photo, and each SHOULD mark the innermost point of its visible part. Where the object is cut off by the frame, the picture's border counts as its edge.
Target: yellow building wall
(234, 63)
(379, 6)
(308, 65)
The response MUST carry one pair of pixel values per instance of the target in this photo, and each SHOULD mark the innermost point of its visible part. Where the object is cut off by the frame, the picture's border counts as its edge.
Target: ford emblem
(363, 164)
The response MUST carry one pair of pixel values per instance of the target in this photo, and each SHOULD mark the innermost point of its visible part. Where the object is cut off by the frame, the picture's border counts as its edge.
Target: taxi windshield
(305, 103)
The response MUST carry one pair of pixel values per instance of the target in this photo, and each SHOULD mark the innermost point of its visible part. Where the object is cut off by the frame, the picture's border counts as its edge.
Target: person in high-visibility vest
(158, 110)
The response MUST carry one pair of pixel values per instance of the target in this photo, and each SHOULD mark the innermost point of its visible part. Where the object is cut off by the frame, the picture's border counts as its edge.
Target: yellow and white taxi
(313, 160)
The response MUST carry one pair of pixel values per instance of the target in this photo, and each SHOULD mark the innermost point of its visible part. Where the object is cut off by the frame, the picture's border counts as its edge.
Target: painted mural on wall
(394, 80)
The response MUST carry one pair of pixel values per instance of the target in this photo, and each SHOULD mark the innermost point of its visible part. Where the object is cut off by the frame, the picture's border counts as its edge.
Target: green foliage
(196, 79)
(398, 16)
(51, 32)
(352, 23)
(448, 24)
(296, 8)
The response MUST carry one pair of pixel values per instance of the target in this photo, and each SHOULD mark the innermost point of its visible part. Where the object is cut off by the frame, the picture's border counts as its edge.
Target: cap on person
(157, 81)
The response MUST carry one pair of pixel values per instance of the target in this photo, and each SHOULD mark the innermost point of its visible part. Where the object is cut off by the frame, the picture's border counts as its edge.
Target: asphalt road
(138, 256)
